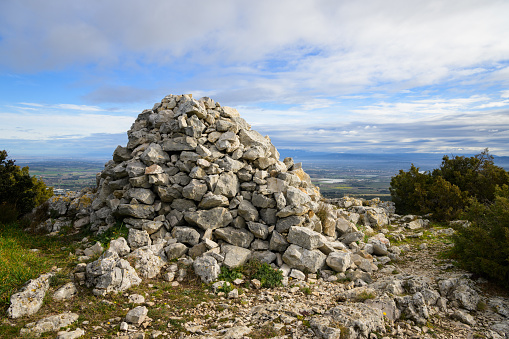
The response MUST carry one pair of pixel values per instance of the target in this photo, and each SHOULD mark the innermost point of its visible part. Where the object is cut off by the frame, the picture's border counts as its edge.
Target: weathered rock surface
(109, 273)
(52, 323)
(29, 300)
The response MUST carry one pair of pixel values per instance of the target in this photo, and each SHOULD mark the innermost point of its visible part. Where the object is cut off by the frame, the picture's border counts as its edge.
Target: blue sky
(334, 76)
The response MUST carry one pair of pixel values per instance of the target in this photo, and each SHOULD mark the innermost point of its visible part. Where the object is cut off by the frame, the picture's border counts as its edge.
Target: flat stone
(234, 236)
(209, 219)
(304, 237)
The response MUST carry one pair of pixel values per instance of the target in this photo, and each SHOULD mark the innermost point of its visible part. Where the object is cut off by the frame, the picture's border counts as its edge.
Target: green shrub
(268, 276)
(447, 191)
(254, 269)
(483, 247)
(19, 192)
(230, 274)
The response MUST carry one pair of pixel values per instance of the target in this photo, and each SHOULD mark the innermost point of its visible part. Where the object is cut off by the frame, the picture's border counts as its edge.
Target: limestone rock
(209, 219)
(65, 292)
(109, 273)
(186, 235)
(70, 334)
(52, 323)
(120, 246)
(235, 256)
(206, 268)
(303, 259)
(29, 299)
(137, 238)
(339, 261)
(234, 236)
(146, 263)
(304, 237)
(137, 315)
(358, 318)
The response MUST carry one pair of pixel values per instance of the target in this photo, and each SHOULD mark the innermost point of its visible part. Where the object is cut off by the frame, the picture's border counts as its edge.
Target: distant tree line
(19, 192)
(470, 188)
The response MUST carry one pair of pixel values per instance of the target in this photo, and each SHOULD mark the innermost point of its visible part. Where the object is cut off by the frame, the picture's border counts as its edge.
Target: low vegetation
(254, 269)
(471, 188)
(19, 192)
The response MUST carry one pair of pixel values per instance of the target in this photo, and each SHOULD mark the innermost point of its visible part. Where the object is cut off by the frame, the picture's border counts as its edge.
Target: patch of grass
(17, 263)
(226, 288)
(306, 290)
(114, 232)
(268, 276)
(266, 331)
(363, 296)
(482, 306)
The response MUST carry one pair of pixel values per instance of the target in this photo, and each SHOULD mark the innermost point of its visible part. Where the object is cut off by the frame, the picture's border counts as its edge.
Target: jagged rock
(304, 237)
(413, 307)
(97, 248)
(109, 273)
(458, 290)
(154, 154)
(259, 230)
(278, 243)
(283, 224)
(137, 315)
(52, 323)
(234, 236)
(120, 246)
(235, 256)
(247, 211)
(387, 305)
(351, 237)
(210, 200)
(146, 263)
(206, 268)
(136, 211)
(186, 235)
(264, 256)
(65, 292)
(176, 250)
(339, 261)
(322, 329)
(464, 317)
(29, 299)
(358, 320)
(137, 238)
(209, 219)
(303, 259)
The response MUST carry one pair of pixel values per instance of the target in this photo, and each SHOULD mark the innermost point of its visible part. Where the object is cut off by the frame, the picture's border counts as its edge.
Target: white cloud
(327, 47)
(72, 107)
(46, 125)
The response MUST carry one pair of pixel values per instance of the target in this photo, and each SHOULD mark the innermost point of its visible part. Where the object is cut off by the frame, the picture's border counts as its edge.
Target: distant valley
(337, 174)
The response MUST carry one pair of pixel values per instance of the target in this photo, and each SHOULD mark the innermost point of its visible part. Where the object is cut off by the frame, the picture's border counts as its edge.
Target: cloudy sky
(339, 76)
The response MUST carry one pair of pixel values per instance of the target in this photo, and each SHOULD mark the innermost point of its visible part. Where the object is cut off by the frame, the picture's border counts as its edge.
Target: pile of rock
(195, 180)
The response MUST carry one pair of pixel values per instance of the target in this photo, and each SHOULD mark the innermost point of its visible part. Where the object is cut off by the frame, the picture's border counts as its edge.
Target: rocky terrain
(199, 190)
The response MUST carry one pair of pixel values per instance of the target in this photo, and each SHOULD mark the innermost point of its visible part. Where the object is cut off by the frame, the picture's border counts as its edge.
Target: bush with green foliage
(483, 247)
(269, 277)
(19, 192)
(447, 191)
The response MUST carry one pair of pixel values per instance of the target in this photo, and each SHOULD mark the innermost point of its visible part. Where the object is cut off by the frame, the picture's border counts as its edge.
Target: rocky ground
(199, 192)
(310, 306)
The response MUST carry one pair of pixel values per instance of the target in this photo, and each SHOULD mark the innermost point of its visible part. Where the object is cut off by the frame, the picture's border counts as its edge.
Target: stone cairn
(194, 180)
(195, 183)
